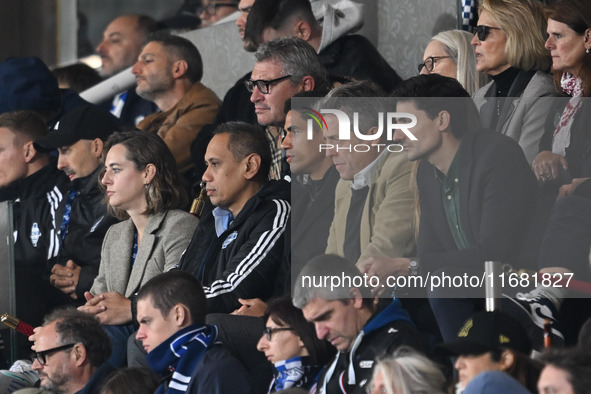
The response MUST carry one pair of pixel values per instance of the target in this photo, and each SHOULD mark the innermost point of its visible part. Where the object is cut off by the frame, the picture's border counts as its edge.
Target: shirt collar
(367, 176)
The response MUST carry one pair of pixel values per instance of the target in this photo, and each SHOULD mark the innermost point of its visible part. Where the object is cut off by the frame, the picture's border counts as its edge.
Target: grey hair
(318, 280)
(457, 44)
(407, 372)
(297, 59)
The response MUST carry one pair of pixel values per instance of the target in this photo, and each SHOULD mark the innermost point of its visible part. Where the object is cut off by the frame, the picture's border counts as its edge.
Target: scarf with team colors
(179, 356)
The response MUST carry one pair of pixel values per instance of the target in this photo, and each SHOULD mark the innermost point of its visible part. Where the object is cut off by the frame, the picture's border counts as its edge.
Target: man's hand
(110, 308)
(382, 267)
(66, 277)
(253, 307)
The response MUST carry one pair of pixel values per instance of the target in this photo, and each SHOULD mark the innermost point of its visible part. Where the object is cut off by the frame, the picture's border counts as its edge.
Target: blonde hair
(408, 371)
(524, 24)
(457, 44)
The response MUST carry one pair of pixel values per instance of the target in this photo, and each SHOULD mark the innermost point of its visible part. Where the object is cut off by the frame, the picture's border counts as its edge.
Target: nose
(206, 175)
(61, 162)
(286, 143)
(140, 333)
(548, 44)
(399, 136)
(136, 69)
(262, 343)
(256, 95)
(424, 71)
(459, 364)
(105, 180)
(321, 331)
(241, 21)
(100, 49)
(36, 365)
(475, 41)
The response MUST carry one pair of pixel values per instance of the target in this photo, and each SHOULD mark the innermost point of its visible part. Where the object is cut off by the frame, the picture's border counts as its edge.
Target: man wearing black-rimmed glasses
(284, 67)
(70, 353)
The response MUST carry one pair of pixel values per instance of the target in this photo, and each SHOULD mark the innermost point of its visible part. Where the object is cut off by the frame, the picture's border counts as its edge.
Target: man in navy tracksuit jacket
(237, 249)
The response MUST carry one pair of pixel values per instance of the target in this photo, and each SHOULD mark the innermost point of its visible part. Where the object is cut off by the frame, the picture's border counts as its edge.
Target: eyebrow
(323, 316)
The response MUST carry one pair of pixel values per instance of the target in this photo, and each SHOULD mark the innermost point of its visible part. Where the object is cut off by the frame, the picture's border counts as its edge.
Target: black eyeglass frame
(482, 31)
(268, 331)
(432, 61)
(263, 85)
(41, 356)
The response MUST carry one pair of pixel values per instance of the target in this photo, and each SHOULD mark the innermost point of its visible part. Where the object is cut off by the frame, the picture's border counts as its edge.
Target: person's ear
(356, 297)
(587, 40)
(96, 147)
(252, 165)
(303, 30)
(149, 173)
(308, 83)
(181, 315)
(507, 360)
(444, 120)
(29, 151)
(179, 68)
(78, 354)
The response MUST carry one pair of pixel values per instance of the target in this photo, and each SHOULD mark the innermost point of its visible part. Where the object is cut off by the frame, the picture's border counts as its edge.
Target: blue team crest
(35, 234)
(229, 239)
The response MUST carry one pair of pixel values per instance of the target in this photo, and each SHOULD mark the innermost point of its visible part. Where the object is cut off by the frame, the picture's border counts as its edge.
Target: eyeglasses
(42, 356)
(429, 63)
(263, 85)
(482, 31)
(268, 331)
(212, 8)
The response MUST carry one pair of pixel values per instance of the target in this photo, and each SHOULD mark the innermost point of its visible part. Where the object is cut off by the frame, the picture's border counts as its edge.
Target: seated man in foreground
(171, 314)
(348, 318)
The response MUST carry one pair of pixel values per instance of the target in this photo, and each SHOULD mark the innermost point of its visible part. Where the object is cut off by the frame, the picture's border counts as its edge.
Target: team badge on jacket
(35, 234)
(229, 239)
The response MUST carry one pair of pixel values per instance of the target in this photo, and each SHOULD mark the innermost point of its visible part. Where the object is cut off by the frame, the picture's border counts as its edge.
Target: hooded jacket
(383, 333)
(346, 54)
(245, 261)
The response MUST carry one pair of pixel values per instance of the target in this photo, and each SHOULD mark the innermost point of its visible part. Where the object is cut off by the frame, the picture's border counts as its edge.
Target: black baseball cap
(81, 123)
(488, 331)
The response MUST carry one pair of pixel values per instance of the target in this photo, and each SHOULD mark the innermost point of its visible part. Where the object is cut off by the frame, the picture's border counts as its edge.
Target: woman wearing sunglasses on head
(509, 47)
(291, 344)
(450, 54)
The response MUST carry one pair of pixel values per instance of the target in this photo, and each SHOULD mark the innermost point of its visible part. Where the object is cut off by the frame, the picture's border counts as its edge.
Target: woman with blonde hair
(407, 372)
(509, 47)
(450, 54)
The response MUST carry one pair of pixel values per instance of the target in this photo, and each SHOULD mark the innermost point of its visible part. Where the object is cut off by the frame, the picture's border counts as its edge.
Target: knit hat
(488, 331)
(27, 84)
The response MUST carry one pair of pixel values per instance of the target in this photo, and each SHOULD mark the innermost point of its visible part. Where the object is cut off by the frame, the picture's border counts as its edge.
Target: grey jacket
(524, 119)
(165, 238)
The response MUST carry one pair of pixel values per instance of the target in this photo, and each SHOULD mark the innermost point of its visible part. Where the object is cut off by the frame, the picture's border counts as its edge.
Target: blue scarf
(294, 372)
(179, 356)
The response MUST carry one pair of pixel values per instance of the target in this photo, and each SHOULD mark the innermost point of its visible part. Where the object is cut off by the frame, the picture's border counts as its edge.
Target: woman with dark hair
(142, 184)
(291, 344)
(565, 145)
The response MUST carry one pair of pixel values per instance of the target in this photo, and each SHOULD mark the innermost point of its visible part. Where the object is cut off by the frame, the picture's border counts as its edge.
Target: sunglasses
(263, 85)
(42, 356)
(482, 31)
(268, 331)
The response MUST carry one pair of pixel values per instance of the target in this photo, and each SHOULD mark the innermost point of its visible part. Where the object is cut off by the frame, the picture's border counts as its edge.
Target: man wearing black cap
(491, 348)
(81, 219)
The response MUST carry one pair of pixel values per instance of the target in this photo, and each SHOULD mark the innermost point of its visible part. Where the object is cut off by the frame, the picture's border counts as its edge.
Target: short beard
(57, 383)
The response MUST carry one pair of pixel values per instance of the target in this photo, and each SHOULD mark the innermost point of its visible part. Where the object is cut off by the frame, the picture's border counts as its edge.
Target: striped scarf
(177, 358)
